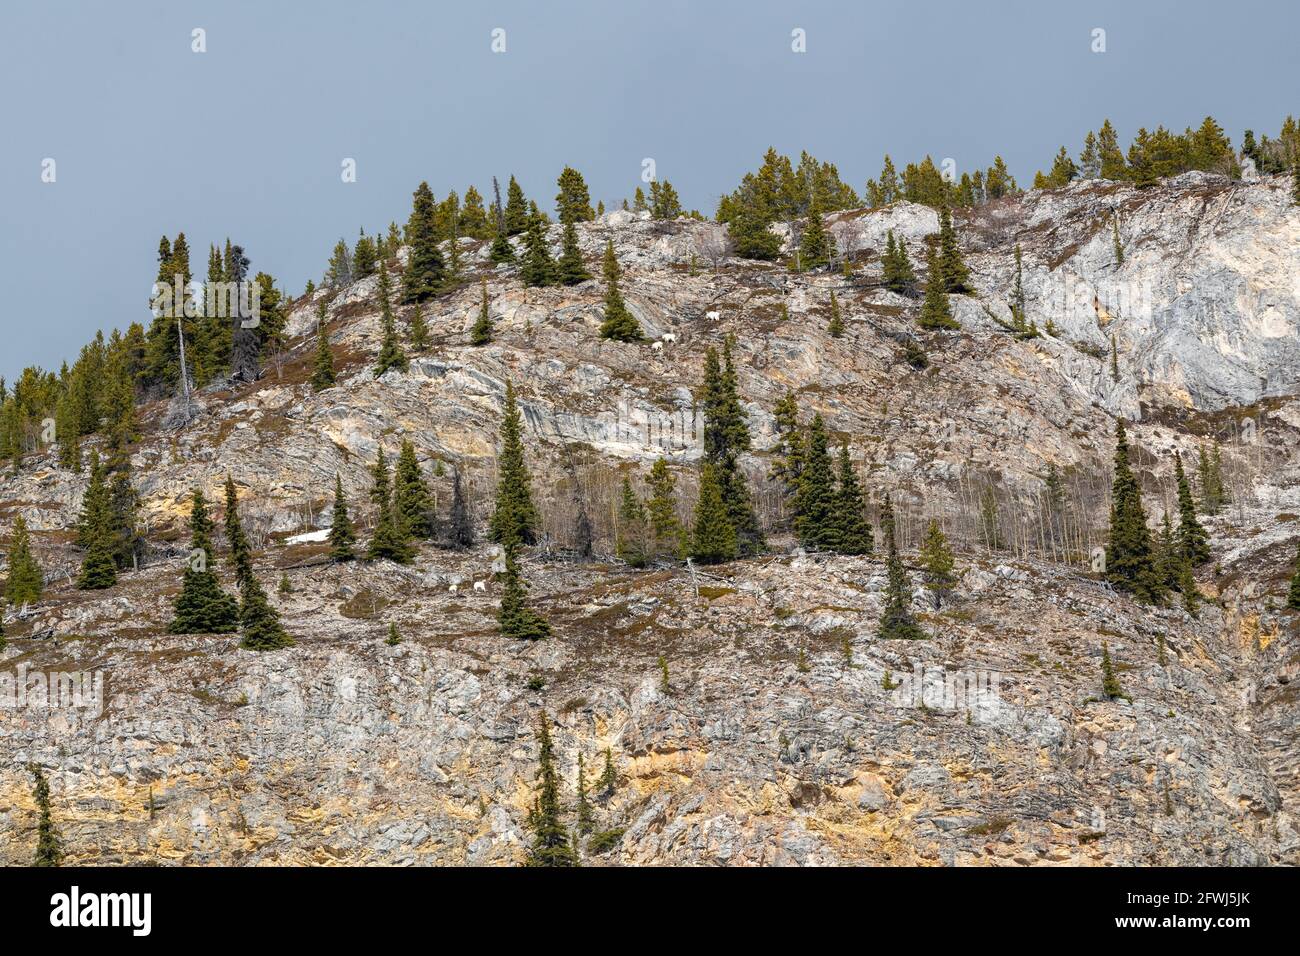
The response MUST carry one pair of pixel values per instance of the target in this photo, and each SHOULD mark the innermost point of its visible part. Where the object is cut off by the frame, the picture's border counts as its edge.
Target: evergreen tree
(516, 211)
(816, 520)
(343, 536)
(481, 333)
(1293, 595)
(98, 566)
(836, 325)
(896, 619)
(630, 543)
(854, 531)
(259, 621)
(608, 779)
(1110, 688)
(515, 520)
(95, 505)
(391, 539)
(552, 845)
(25, 582)
(1129, 565)
(425, 273)
(814, 244)
(49, 846)
(935, 311)
(664, 204)
(462, 524)
(515, 618)
(619, 323)
(364, 257)
(953, 274)
(586, 821)
(715, 536)
(726, 436)
(666, 533)
(937, 560)
(241, 554)
(322, 376)
(419, 331)
(391, 355)
(538, 267)
(1192, 538)
(571, 268)
(573, 204)
(898, 274)
(202, 607)
(411, 497)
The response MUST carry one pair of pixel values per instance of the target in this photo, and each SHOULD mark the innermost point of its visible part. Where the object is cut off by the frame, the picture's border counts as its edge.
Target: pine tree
(816, 520)
(538, 267)
(586, 821)
(630, 543)
(515, 618)
(364, 257)
(322, 376)
(411, 496)
(1129, 564)
(715, 536)
(425, 272)
(552, 845)
(515, 520)
(49, 846)
(896, 619)
(608, 780)
(461, 522)
(836, 325)
(259, 621)
(571, 269)
(1110, 688)
(98, 566)
(814, 244)
(202, 607)
(1192, 537)
(391, 539)
(937, 560)
(25, 582)
(419, 331)
(241, 554)
(573, 204)
(1115, 241)
(391, 355)
(666, 533)
(953, 274)
(898, 274)
(343, 536)
(619, 325)
(854, 531)
(481, 333)
(1293, 595)
(935, 311)
(726, 436)
(516, 211)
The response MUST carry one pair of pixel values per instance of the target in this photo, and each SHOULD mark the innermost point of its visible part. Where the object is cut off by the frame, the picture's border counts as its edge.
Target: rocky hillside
(777, 737)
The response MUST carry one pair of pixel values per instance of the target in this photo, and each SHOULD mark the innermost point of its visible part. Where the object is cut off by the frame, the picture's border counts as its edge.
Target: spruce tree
(425, 272)
(391, 355)
(666, 533)
(411, 497)
(608, 779)
(461, 523)
(714, 538)
(343, 535)
(552, 845)
(937, 560)
(419, 331)
(98, 566)
(1110, 688)
(896, 620)
(898, 274)
(619, 323)
(854, 531)
(836, 325)
(322, 376)
(391, 539)
(814, 244)
(573, 204)
(202, 607)
(481, 333)
(586, 820)
(515, 520)
(49, 846)
(630, 541)
(1293, 595)
(1192, 537)
(816, 521)
(25, 582)
(935, 311)
(515, 618)
(1129, 564)
(953, 274)
(571, 269)
(726, 436)
(538, 267)
(789, 449)
(95, 505)
(259, 621)
(516, 211)
(241, 554)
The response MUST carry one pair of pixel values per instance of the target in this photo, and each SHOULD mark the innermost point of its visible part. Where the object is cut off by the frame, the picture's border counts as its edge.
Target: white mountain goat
(480, 586)
(712, 316)
(656, 346)
(669, 337)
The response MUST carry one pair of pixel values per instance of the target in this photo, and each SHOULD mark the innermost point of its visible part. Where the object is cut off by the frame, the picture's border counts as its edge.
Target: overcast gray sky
(246, 139)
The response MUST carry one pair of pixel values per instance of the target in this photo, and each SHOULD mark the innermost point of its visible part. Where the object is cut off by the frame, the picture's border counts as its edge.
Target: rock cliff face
(780, 737)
